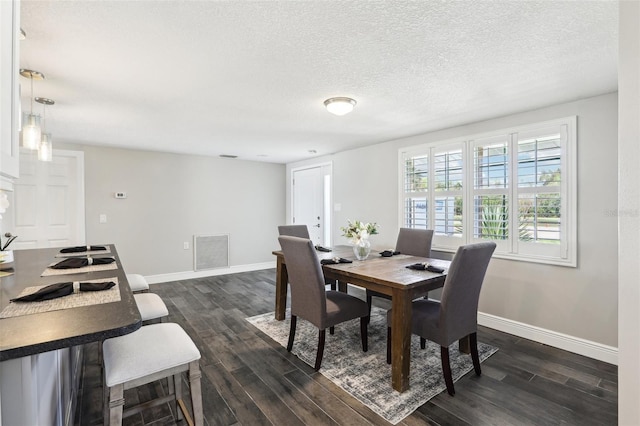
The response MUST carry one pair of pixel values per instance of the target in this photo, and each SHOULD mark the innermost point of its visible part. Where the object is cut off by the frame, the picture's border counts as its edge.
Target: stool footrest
(141, 407)
(185, 412)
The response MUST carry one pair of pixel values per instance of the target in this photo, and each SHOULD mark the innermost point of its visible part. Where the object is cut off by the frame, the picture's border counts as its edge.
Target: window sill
(518, 258)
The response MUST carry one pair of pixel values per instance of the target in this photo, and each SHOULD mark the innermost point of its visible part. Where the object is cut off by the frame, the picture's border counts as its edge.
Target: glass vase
(362, 249)
(6, 259)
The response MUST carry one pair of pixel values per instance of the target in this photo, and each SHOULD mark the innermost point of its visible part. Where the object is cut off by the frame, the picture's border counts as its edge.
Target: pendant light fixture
(45, 147)
(340, 105)
(31, 131)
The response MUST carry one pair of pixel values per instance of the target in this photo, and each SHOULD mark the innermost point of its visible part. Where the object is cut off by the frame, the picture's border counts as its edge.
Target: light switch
(186, 245)
(337, 207)
(103, 218)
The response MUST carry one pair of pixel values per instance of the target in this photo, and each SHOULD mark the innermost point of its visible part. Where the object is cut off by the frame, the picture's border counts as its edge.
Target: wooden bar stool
(151, 353)
(137, 283)
(151, 306)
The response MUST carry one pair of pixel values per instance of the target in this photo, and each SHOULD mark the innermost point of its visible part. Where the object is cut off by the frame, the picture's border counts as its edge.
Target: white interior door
(311, 198)
(48, 207)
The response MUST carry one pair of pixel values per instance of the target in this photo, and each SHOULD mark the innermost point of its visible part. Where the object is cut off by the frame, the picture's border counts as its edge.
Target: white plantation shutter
(490, 191)
(448, 176)
(415, 190)
(515, 187)
(541, 206)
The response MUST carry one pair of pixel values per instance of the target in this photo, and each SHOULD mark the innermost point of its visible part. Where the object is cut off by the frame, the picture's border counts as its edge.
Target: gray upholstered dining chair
(456, 315)
(309, 299)
(414, 242)
(301, 231)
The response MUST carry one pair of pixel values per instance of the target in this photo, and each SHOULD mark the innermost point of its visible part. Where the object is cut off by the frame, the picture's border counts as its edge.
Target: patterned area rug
(367, 376)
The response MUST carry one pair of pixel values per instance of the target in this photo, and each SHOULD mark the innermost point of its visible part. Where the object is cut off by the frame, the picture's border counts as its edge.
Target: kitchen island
(41, 353)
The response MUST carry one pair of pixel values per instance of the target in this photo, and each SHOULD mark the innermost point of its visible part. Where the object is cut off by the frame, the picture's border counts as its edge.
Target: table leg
(400, 339)
(282, 280)
(342, 286)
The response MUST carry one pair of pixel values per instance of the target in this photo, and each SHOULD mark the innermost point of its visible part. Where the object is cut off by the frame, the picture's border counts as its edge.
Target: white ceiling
(250, 78)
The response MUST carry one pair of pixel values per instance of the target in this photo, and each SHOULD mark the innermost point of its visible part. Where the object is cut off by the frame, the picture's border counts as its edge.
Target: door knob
(317, 226)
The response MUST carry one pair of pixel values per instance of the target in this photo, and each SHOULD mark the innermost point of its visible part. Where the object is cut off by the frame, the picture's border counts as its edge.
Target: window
(516, 187)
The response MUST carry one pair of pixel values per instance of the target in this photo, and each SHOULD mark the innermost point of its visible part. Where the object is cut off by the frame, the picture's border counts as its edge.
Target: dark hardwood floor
(248, 379)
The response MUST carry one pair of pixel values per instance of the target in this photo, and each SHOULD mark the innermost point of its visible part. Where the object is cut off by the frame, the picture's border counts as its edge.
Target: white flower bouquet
(357, 231)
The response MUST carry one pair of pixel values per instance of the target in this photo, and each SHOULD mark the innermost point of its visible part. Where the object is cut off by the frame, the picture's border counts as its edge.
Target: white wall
(171, 197)
(629, 214)
(580, 302)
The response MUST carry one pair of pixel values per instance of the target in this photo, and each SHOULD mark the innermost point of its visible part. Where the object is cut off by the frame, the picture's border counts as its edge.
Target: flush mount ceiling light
(340, 105)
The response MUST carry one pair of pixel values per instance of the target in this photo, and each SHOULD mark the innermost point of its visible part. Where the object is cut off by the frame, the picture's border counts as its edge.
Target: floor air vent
(211, 251)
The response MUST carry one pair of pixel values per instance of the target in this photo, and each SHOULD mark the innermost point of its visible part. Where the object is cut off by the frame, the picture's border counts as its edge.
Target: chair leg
(423, 343)
(446, 369)
(321, 336)
(171, 381)
(388, 345)
(177, 386)
(332, 284)
(473, 342)
(292, 332)
(363, 333)
(332, 330)
(116, 403)
(369, 303)
(196, 392)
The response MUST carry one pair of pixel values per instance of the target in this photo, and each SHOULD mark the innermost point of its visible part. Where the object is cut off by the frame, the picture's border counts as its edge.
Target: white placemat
(74, 300)
(91, 268)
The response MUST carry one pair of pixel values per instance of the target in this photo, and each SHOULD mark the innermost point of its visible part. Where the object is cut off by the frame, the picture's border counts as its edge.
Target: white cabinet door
(37, 390)
(9, 88)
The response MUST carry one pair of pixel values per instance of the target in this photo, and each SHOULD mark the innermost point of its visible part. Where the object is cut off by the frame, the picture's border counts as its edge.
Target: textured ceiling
(249, 78)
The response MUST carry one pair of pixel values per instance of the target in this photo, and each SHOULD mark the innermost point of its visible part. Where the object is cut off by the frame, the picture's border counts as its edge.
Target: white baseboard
(552, 338)
(187, 275)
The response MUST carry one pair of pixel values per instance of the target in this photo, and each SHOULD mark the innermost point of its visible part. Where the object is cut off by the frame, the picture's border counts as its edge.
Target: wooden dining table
(387, 275)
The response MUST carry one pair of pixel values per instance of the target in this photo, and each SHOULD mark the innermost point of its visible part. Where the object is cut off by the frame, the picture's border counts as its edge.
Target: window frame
(562, 254)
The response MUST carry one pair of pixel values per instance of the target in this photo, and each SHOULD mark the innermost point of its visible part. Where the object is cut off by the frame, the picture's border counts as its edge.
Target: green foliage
(494, 222)
(553, 178)
(416, 181)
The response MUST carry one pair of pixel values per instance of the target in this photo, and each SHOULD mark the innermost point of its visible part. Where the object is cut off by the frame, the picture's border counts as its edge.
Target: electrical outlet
(186, 245)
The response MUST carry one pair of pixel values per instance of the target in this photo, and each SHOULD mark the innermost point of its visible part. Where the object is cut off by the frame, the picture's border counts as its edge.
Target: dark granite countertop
(32, 334)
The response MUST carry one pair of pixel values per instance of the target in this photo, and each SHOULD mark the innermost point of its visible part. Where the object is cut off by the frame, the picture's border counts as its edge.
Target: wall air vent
(210, 251)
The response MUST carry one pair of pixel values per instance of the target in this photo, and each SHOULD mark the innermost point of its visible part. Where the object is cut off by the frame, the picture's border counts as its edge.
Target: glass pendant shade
(45, 149)
(31, 132)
